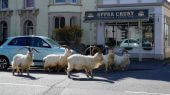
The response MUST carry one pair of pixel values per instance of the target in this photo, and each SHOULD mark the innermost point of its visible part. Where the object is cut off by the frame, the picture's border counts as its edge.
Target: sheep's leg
(91, 73)
(13, 71)
(17, 69)
(68, 72)
(65, 69)
(87, 72)
(22, 71)
(28, 72)
(106, 68)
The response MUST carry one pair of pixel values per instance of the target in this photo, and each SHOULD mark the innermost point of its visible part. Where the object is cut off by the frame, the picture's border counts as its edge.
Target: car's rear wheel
(4, 63)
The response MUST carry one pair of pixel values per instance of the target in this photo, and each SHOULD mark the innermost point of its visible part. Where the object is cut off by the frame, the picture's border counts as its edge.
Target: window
(19, 42)
(28, 28)
(60, 1)
(4, 4)
(59, 22)
(148, 34)
(127, 34)
(73, 1)
(29, 3)
(72, 21)
(3, 30)
(37, 42)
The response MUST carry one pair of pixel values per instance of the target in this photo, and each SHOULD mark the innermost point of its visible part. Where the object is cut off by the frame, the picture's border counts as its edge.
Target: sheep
(84, 62)
(58, 61)
(121, 62)
(23, 62)
(108, 60)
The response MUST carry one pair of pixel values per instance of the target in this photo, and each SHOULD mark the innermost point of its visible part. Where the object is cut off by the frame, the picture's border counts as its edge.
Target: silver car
(44, 45)
(132, 43)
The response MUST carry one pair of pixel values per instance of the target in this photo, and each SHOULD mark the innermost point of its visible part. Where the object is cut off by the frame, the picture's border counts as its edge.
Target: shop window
(28, 28)
(4, 4)
(127, 35)
(3, 31)
(29, 3)
(60, 1)
(59, 22)
(148, 34)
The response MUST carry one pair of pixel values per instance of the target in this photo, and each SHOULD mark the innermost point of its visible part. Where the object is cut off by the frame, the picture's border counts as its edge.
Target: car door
(43, 49)
(15, 45)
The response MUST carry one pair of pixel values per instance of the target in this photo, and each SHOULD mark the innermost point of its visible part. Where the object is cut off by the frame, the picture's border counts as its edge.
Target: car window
(18, 42)
(126, 41)
(38, 42)
(52, 42)
(133, 41)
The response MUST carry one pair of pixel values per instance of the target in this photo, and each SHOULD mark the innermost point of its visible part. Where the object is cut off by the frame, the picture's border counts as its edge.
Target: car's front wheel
(4, 63)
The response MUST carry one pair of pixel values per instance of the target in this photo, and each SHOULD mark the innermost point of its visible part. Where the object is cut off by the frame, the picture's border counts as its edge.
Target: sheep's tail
(44, 59)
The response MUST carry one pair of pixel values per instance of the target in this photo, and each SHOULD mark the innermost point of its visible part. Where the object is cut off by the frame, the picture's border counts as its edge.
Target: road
(130, 82)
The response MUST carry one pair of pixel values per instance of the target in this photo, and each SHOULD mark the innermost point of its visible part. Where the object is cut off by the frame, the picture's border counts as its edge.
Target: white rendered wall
(42, 18)
(88, 30)
(100, 34)
(159, 31)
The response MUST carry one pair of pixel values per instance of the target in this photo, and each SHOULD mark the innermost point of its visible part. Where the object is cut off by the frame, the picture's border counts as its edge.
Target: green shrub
(68, 34)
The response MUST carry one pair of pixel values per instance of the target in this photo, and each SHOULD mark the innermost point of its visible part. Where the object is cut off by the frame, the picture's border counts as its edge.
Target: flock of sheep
(69, 61)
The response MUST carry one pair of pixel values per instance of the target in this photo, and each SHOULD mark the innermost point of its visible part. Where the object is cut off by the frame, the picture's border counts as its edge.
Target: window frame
(60, 18)
(26, 27)
(19, 38)
(1, 5)
(59, 2)
(37, 38)
(27, 7)
(71, 2)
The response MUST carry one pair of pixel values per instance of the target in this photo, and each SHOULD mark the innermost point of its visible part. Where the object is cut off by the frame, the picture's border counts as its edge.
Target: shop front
(140, 31)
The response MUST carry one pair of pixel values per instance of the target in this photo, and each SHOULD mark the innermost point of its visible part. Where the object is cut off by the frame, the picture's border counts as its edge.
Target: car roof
(26, 36)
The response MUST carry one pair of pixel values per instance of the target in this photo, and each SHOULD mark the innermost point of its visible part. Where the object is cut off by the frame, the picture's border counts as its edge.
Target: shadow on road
(94, 79)
(28, 77)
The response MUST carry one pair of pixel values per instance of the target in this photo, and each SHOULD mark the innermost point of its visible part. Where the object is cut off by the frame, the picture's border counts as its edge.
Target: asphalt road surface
(130, 82)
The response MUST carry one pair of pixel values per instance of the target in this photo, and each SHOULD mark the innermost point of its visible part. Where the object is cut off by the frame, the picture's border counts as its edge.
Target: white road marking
(146, 93)
(15, 84)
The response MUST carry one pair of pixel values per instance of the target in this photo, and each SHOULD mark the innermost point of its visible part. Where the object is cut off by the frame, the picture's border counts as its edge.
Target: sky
(169, 0)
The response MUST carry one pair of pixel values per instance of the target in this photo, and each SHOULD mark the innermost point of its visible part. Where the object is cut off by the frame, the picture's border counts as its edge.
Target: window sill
(61, 4)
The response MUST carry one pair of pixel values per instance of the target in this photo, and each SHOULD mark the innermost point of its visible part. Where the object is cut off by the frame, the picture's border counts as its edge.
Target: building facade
(122, 24)
(41, 17)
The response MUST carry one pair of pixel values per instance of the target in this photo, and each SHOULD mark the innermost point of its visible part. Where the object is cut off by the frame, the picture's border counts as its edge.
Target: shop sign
(117, 15)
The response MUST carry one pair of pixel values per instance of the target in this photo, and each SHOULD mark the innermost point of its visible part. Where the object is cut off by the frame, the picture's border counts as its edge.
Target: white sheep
(121, 62)
(23, 62)
(108, 60)
(83, 62)
(58, 61)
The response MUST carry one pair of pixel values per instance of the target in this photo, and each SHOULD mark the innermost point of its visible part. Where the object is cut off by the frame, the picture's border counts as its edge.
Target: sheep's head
(68, 52)
(98, 59)
(99, 56)
(30, 50)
